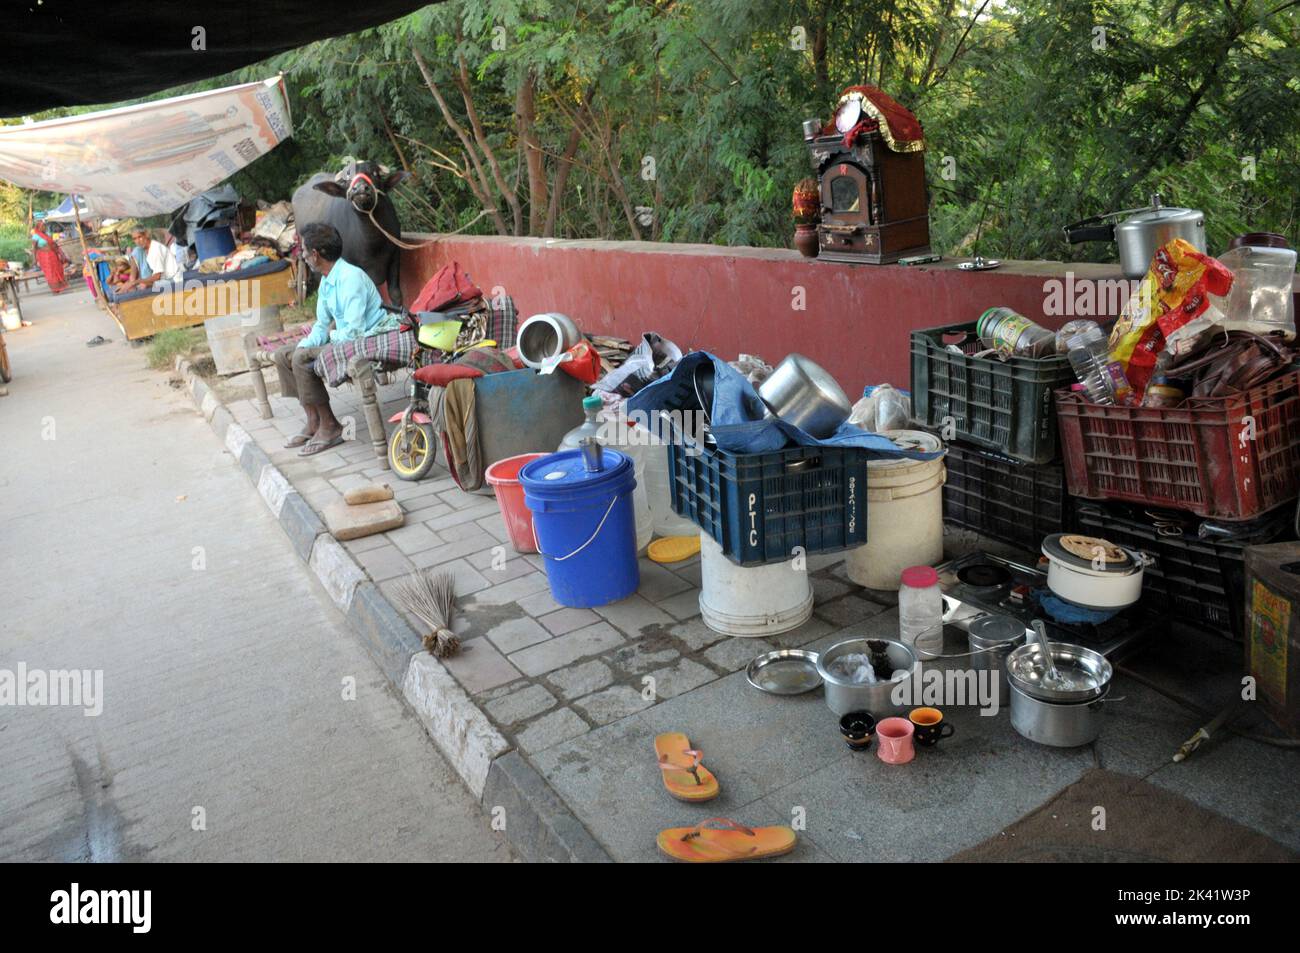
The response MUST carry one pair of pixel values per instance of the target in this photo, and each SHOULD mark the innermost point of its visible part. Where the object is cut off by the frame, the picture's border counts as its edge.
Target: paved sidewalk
(132, 544)
(566, 688)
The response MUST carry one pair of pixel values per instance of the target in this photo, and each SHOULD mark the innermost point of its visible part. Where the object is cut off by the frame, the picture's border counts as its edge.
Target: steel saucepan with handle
(1141, 232)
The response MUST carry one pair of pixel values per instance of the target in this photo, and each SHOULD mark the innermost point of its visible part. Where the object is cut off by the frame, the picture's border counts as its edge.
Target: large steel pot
(803, 394)
(1142, 232)
(544, 338)
(843, 696)
(1059, 724)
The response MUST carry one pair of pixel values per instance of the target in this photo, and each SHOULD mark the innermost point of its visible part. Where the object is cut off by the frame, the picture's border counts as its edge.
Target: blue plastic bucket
(213, 242)
(585, 526)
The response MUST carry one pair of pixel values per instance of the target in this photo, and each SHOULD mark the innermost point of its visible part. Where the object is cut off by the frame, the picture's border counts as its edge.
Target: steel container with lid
(1084, 674)
(991, 639)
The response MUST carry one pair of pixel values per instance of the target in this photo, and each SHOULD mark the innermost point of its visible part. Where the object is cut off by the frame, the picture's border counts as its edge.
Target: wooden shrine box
(874, 205)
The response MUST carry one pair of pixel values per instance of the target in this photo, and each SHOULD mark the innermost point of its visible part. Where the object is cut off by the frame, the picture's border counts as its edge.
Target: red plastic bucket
(503, 477)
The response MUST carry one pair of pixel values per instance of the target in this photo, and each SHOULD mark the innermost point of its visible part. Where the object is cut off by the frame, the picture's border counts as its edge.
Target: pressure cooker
(1141, 232)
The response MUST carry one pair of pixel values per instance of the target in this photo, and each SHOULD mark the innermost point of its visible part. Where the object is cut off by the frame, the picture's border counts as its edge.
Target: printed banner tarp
(150, 158)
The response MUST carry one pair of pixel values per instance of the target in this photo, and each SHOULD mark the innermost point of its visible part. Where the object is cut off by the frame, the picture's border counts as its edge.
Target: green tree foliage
(679, 120)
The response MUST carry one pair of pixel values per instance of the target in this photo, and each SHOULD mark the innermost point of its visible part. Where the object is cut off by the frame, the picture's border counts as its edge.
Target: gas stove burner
(984, 575)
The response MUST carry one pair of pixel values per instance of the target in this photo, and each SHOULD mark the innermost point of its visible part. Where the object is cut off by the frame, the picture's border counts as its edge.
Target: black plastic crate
(1196, 580)
(1018, 503)
(1004, 406)
(759, 506)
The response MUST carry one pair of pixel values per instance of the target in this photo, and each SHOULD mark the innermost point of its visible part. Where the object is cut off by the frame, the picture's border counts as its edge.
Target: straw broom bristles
(432, 597)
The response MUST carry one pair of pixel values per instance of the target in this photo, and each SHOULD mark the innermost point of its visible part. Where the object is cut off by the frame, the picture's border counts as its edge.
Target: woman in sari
(50, 258)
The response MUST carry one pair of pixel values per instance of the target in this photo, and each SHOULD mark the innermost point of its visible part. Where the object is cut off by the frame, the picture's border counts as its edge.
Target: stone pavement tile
(690, 571)
(521, 705)
(460, 517)
(455, 548)
(810, 631)
(468, 579)
(578, 680)
(384, 562)
(640, 657)
(564, 649)
(539, 603)
(684, 605)
(327, 460)
(683, 677)
(515, 634)
(417, 512)
(500, 691)
(409, 492)
(511, 591)
(848, 610)
(479, 666)
(494, 526)
(413, 537)
(490, 563)
(657, 583)
(613, 703)
(566, 620)
(734, 654)
(550, 730)
(827, 588)
(352, 469)
(365, 543)
(634, 615)
(695, 634)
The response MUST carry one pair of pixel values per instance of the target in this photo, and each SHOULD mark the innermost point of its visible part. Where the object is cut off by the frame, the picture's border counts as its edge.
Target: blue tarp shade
(736, 416)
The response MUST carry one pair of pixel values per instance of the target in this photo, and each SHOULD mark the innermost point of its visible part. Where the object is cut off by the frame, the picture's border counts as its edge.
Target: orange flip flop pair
(717, 839)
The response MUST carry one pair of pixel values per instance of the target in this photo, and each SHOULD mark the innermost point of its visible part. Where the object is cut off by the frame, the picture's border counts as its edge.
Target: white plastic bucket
(633, 445)
(658, 492)
(904, 515)
(751, 601)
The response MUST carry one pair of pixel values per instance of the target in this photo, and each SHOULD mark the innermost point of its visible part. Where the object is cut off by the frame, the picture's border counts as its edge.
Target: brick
(479, 666)
(521, 705)
(612, 704)
(564, 649)
(578, 680)
(634, 615)
(550, 730)
(384, 562)
(413, 538)
(512, 591)
(515, 634)
(568, 620)
(683, 677)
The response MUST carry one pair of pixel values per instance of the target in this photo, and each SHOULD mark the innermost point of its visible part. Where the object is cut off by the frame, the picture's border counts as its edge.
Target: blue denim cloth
(736, 416)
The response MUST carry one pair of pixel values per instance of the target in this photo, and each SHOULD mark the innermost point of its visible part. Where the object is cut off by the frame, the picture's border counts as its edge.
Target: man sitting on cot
(163, 267)
(346, 299)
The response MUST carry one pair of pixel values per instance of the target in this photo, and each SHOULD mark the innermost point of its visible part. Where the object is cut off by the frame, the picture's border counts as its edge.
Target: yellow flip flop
(720, 840)
(673, 549)
(684, 777)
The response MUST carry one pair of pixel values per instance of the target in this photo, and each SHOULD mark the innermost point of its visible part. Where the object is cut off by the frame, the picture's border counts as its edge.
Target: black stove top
(979, 583)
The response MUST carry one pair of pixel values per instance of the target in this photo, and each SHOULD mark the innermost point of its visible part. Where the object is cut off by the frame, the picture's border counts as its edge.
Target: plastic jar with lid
(920, 610)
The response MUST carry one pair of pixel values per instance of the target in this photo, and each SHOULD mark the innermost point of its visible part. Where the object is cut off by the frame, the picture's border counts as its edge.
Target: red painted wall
(856, 318)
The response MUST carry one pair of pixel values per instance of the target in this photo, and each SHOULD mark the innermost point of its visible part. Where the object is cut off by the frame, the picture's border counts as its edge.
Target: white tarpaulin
(151, 158)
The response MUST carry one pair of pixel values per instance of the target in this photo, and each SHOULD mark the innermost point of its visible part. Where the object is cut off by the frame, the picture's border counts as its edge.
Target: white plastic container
(904, 514)
(751, 601)
(920, 611)
(666, 522)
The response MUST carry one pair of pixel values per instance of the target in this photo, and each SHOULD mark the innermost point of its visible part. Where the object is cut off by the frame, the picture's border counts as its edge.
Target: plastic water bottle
(588, 428)
(1103, 380)
(1014, 334)
(920, 610)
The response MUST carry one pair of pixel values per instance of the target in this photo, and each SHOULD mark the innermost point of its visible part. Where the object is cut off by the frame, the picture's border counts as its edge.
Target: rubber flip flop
(297, 440)
(314, 447)
(684, 777)
(673, 549)
(720, 840)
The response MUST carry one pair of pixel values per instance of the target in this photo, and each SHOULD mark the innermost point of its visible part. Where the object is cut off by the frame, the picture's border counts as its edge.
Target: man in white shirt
(163, 264)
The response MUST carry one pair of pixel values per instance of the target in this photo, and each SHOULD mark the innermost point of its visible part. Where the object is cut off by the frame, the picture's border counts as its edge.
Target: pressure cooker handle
(1095, 229)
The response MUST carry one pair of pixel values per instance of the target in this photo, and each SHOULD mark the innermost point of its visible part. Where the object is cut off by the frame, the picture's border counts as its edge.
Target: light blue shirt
(348, 300)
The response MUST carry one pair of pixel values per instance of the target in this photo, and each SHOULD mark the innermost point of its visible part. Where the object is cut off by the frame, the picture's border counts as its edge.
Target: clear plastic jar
(920, 610)
(1103, 380)
(590, 427)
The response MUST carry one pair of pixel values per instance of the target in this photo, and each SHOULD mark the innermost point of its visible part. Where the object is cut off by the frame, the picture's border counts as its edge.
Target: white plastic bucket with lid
(751, 601)
(629, 442)
(904, 514)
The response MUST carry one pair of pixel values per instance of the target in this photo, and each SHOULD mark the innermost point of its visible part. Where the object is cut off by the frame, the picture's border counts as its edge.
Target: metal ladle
(1046, 647)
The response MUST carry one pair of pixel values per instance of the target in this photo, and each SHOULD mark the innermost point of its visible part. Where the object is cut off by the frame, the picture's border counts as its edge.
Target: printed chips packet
(1168, 305)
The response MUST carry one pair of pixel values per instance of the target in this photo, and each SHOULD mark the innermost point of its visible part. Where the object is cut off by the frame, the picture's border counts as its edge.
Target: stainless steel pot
(992, 638)
(544, 338)
(1061, 725)
(1142, 232)
(1085, 674)
(803, 394)
(843, 696)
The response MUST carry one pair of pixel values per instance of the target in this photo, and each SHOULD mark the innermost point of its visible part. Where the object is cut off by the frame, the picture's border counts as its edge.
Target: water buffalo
(354, 201)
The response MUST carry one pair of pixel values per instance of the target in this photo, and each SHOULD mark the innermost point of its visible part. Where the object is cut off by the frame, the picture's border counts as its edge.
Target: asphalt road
(132, 546)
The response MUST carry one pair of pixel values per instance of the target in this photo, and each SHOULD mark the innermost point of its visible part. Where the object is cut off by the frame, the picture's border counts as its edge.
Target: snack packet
(1175, 291)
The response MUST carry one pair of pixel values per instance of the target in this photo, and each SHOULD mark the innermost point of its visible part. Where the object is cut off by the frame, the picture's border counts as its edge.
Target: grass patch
(165, 346)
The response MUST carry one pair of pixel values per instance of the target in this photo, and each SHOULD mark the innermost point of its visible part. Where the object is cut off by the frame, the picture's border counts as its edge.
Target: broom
(432, 597)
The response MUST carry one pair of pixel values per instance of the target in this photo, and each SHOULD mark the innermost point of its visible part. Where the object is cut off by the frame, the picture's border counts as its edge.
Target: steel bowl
(801, 393)
(843, 696)
(543, 338)
(1075, 662)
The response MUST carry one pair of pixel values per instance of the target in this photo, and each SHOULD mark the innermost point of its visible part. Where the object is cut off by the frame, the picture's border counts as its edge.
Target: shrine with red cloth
(870, 167)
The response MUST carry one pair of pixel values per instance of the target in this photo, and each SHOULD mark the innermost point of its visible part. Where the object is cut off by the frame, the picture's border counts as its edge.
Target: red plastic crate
(1196, 457)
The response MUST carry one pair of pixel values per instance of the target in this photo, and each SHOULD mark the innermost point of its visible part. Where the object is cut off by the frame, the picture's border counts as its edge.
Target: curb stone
(538, 825)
